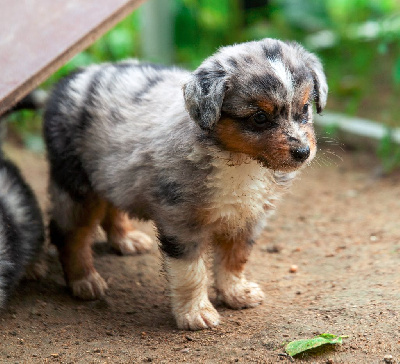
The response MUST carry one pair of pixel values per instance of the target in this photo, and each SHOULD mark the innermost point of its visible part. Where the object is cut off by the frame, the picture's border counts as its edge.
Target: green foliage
(300, 346)
(389, 153)
(331, 130)
(396, 72)
(201, 26)
(27, 124)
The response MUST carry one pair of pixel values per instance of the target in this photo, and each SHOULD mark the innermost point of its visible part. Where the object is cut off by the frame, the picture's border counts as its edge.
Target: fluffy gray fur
(144, 138)
(21, 228)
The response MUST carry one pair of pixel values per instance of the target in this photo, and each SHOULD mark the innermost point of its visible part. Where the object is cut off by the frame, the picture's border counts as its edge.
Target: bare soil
(339, 224)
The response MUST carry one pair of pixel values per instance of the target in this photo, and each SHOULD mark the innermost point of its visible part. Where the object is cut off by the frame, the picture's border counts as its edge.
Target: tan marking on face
(312, 140)
(233, 253)
(272, 146)
(267, 106)
(76, 255)
(234, 139)
(306, 96)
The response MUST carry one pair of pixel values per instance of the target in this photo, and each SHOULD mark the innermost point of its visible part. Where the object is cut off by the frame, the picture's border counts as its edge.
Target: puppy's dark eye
(305, 108)
(260, 118)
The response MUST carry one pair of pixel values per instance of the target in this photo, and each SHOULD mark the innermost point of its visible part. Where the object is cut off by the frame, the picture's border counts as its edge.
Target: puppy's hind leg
(187, 277)
(121, 234)
(72, 229)
(231, 255)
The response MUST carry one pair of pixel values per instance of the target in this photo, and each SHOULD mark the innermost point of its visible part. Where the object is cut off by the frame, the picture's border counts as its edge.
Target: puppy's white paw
(200, 316)
(91, 287)
(135, 242)
(242, 294)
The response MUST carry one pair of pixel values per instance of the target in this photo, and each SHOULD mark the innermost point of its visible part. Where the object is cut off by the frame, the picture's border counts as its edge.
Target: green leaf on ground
(299, 346)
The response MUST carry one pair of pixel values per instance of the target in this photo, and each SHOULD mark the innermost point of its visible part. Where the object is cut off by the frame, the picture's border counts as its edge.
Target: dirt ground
(339, 225)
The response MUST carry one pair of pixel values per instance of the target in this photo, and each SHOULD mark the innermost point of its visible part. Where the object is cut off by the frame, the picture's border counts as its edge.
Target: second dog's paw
(198, 317)
(135, 242)
(243, 294)
(91, 287)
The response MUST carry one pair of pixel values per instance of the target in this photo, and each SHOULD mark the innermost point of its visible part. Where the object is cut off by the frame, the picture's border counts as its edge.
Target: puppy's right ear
(317, 72)
(320, 84)
(204, 94)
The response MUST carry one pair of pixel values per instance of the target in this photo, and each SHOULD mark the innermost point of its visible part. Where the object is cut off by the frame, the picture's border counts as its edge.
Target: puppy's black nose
(300, 154)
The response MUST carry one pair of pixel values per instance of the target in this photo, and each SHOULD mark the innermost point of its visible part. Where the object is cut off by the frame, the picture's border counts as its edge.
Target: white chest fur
(242, 192)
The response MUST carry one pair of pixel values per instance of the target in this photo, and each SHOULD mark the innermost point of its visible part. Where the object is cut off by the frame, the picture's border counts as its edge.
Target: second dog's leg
(187, 277)
(72, 229)
(231, 255)
(121, 235)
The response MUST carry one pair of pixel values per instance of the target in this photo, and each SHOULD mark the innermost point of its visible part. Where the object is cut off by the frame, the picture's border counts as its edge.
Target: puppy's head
(256, 98)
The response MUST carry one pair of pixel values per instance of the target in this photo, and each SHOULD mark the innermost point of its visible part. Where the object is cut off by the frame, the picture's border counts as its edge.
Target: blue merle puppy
(21, 230)
(205, 155)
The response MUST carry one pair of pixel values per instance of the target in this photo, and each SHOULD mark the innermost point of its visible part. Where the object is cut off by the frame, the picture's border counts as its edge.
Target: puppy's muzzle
(300, 154)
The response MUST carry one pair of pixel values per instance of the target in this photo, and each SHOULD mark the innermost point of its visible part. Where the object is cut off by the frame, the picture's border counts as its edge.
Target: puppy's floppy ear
(204, 94)
(314, 65)
(320, 84)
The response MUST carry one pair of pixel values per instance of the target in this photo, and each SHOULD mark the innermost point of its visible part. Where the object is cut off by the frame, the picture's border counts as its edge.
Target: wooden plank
(38, 36)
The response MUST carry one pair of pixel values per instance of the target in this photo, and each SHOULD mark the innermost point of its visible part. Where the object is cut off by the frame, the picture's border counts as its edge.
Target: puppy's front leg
(187, 276)
(231, 255)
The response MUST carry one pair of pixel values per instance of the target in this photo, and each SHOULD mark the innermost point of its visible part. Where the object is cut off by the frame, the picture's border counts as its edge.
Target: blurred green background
(357, 40)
